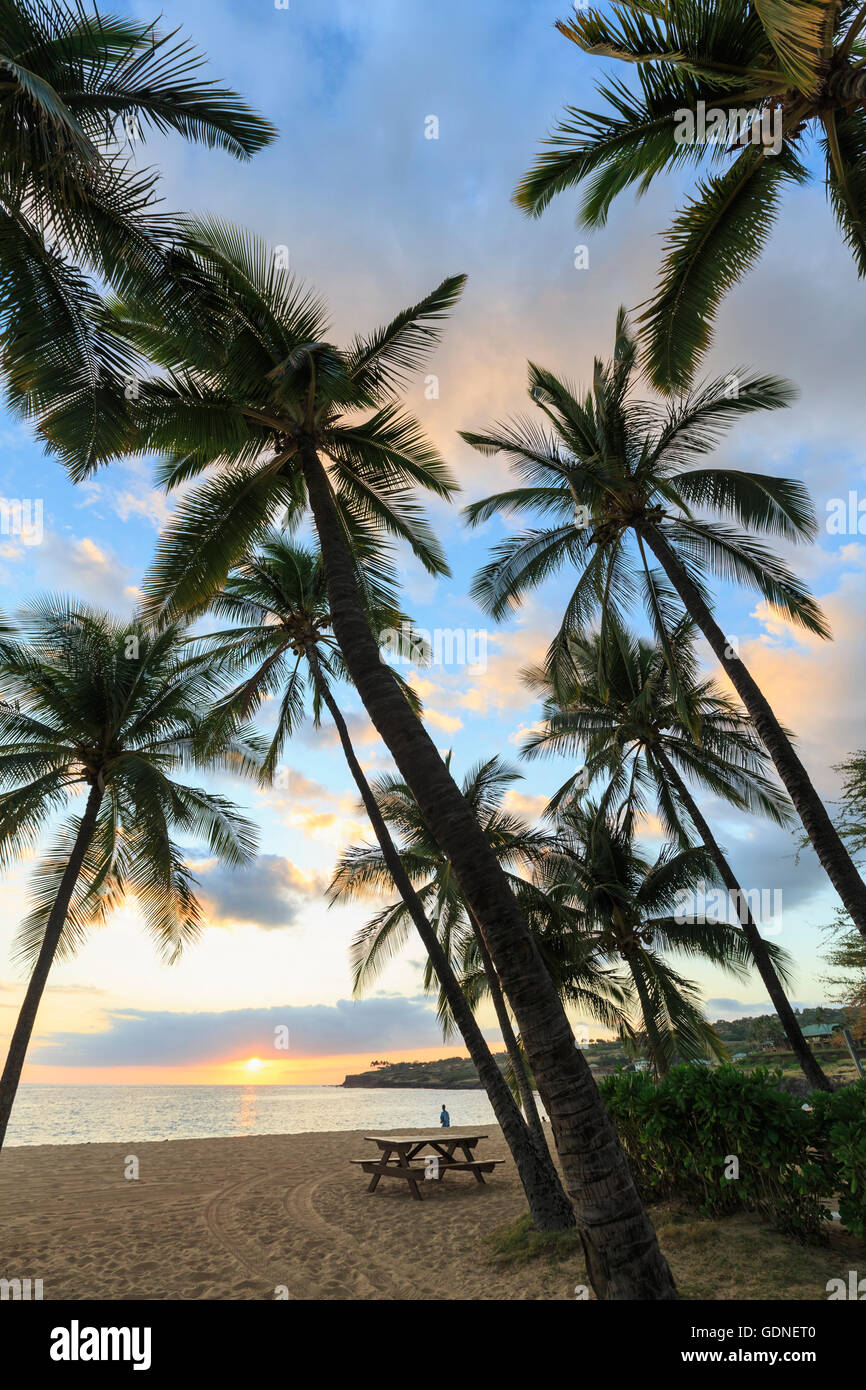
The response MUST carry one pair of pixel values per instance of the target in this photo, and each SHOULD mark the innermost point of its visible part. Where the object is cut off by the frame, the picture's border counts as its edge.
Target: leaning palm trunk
(811, 809)
(512, 1046)
(657, 1055)
(622, 1252)
(767, 971)
(548, 1203)
(35, 989)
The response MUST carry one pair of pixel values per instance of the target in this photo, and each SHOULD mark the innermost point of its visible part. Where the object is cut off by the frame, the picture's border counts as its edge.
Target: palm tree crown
(519, 848)
(754, 81)
(78, 90)
(622, 907)
(608, 470)
(282, 641)
(117, 709)
(619, 711)
(361, 869)
(250, 375)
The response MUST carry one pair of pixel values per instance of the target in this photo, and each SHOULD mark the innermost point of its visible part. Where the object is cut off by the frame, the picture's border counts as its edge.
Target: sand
(242, 1218)
(287, 1216)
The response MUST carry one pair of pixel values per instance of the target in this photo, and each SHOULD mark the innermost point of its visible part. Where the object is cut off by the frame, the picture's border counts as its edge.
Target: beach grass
(738, 1257)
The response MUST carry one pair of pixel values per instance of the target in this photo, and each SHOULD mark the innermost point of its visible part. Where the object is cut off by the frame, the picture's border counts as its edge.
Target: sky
(374, 214)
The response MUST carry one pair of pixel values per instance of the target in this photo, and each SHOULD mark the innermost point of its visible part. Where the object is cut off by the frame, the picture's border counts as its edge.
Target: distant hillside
(743, 1030)
(449, 1073)
(459, 1074)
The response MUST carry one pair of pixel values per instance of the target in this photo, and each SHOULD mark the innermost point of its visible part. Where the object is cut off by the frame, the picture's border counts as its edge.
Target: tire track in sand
(340, 1250)
(246, 1252)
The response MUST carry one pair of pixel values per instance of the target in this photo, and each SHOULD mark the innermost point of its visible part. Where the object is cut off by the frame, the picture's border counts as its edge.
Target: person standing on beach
(444, 1117)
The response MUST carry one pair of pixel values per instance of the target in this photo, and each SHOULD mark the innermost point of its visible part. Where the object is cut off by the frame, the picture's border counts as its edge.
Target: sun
(254, 1064)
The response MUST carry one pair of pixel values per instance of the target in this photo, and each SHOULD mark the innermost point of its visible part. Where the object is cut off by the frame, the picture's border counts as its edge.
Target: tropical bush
(683, 1134)
(840, 1120)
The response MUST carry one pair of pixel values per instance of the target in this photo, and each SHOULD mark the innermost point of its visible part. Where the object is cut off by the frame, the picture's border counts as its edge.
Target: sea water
(112, 1114)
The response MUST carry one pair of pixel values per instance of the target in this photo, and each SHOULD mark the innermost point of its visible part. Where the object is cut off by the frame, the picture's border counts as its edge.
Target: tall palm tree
(78, 91)
(283, 419)
(620, 710)
(283, 643)
(363, 869)
(607, 470)
(116, 709)
(624, 904)
(784, 77)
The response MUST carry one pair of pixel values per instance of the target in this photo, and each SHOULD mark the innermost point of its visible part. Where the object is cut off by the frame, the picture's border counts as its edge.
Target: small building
(820, 1030)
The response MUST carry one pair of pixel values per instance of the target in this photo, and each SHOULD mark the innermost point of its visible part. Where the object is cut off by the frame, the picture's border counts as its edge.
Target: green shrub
(840, 1137)
(682, 1135)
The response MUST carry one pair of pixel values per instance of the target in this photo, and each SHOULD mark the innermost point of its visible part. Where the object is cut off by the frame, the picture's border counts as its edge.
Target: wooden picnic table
(399, 1158)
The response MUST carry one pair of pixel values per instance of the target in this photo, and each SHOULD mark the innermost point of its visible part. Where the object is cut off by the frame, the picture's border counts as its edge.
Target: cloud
(736, 1008)
(449, 723)
(815, 687)
(424, 208)
(519, 735)
(136, 498)
(160, 1038)
(765, 856)
(523, 804)
(492, 685)
(86, 569)
(313, 809)
(151, 505)
(500, 688)
(270, 894)
(361, 731)
(11, 987)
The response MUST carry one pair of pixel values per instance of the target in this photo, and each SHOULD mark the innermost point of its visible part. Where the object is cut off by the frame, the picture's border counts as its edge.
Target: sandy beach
(242, 1218)
(238, 1218)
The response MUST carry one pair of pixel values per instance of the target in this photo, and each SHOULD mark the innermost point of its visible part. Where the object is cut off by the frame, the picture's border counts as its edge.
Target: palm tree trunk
(646, 1008)
(35, 989)
(846, 86)
(811, 809)
(548, 1203)
(767, 971)
(512, 1046)
(649, 1022)
(622, 1252)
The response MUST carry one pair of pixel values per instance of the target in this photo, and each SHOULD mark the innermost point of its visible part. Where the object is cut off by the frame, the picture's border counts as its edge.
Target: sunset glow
(274, 954)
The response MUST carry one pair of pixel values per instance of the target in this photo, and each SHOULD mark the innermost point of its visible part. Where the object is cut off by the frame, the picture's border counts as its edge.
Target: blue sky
(374, 215)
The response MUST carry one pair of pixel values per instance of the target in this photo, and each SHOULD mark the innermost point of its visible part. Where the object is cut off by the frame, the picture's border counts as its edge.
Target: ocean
(115, 1114)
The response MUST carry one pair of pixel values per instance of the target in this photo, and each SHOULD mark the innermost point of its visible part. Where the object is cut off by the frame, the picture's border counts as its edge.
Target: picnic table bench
(399, 1158)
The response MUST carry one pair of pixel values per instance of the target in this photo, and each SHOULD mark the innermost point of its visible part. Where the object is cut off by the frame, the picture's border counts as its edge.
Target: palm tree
(624, 905)
(116, 708)
(281, 635)
(609, 469)
(283, 419)
(363, 869)
(278, 599)
(77, 91)
(621, 711)
(745, 89)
